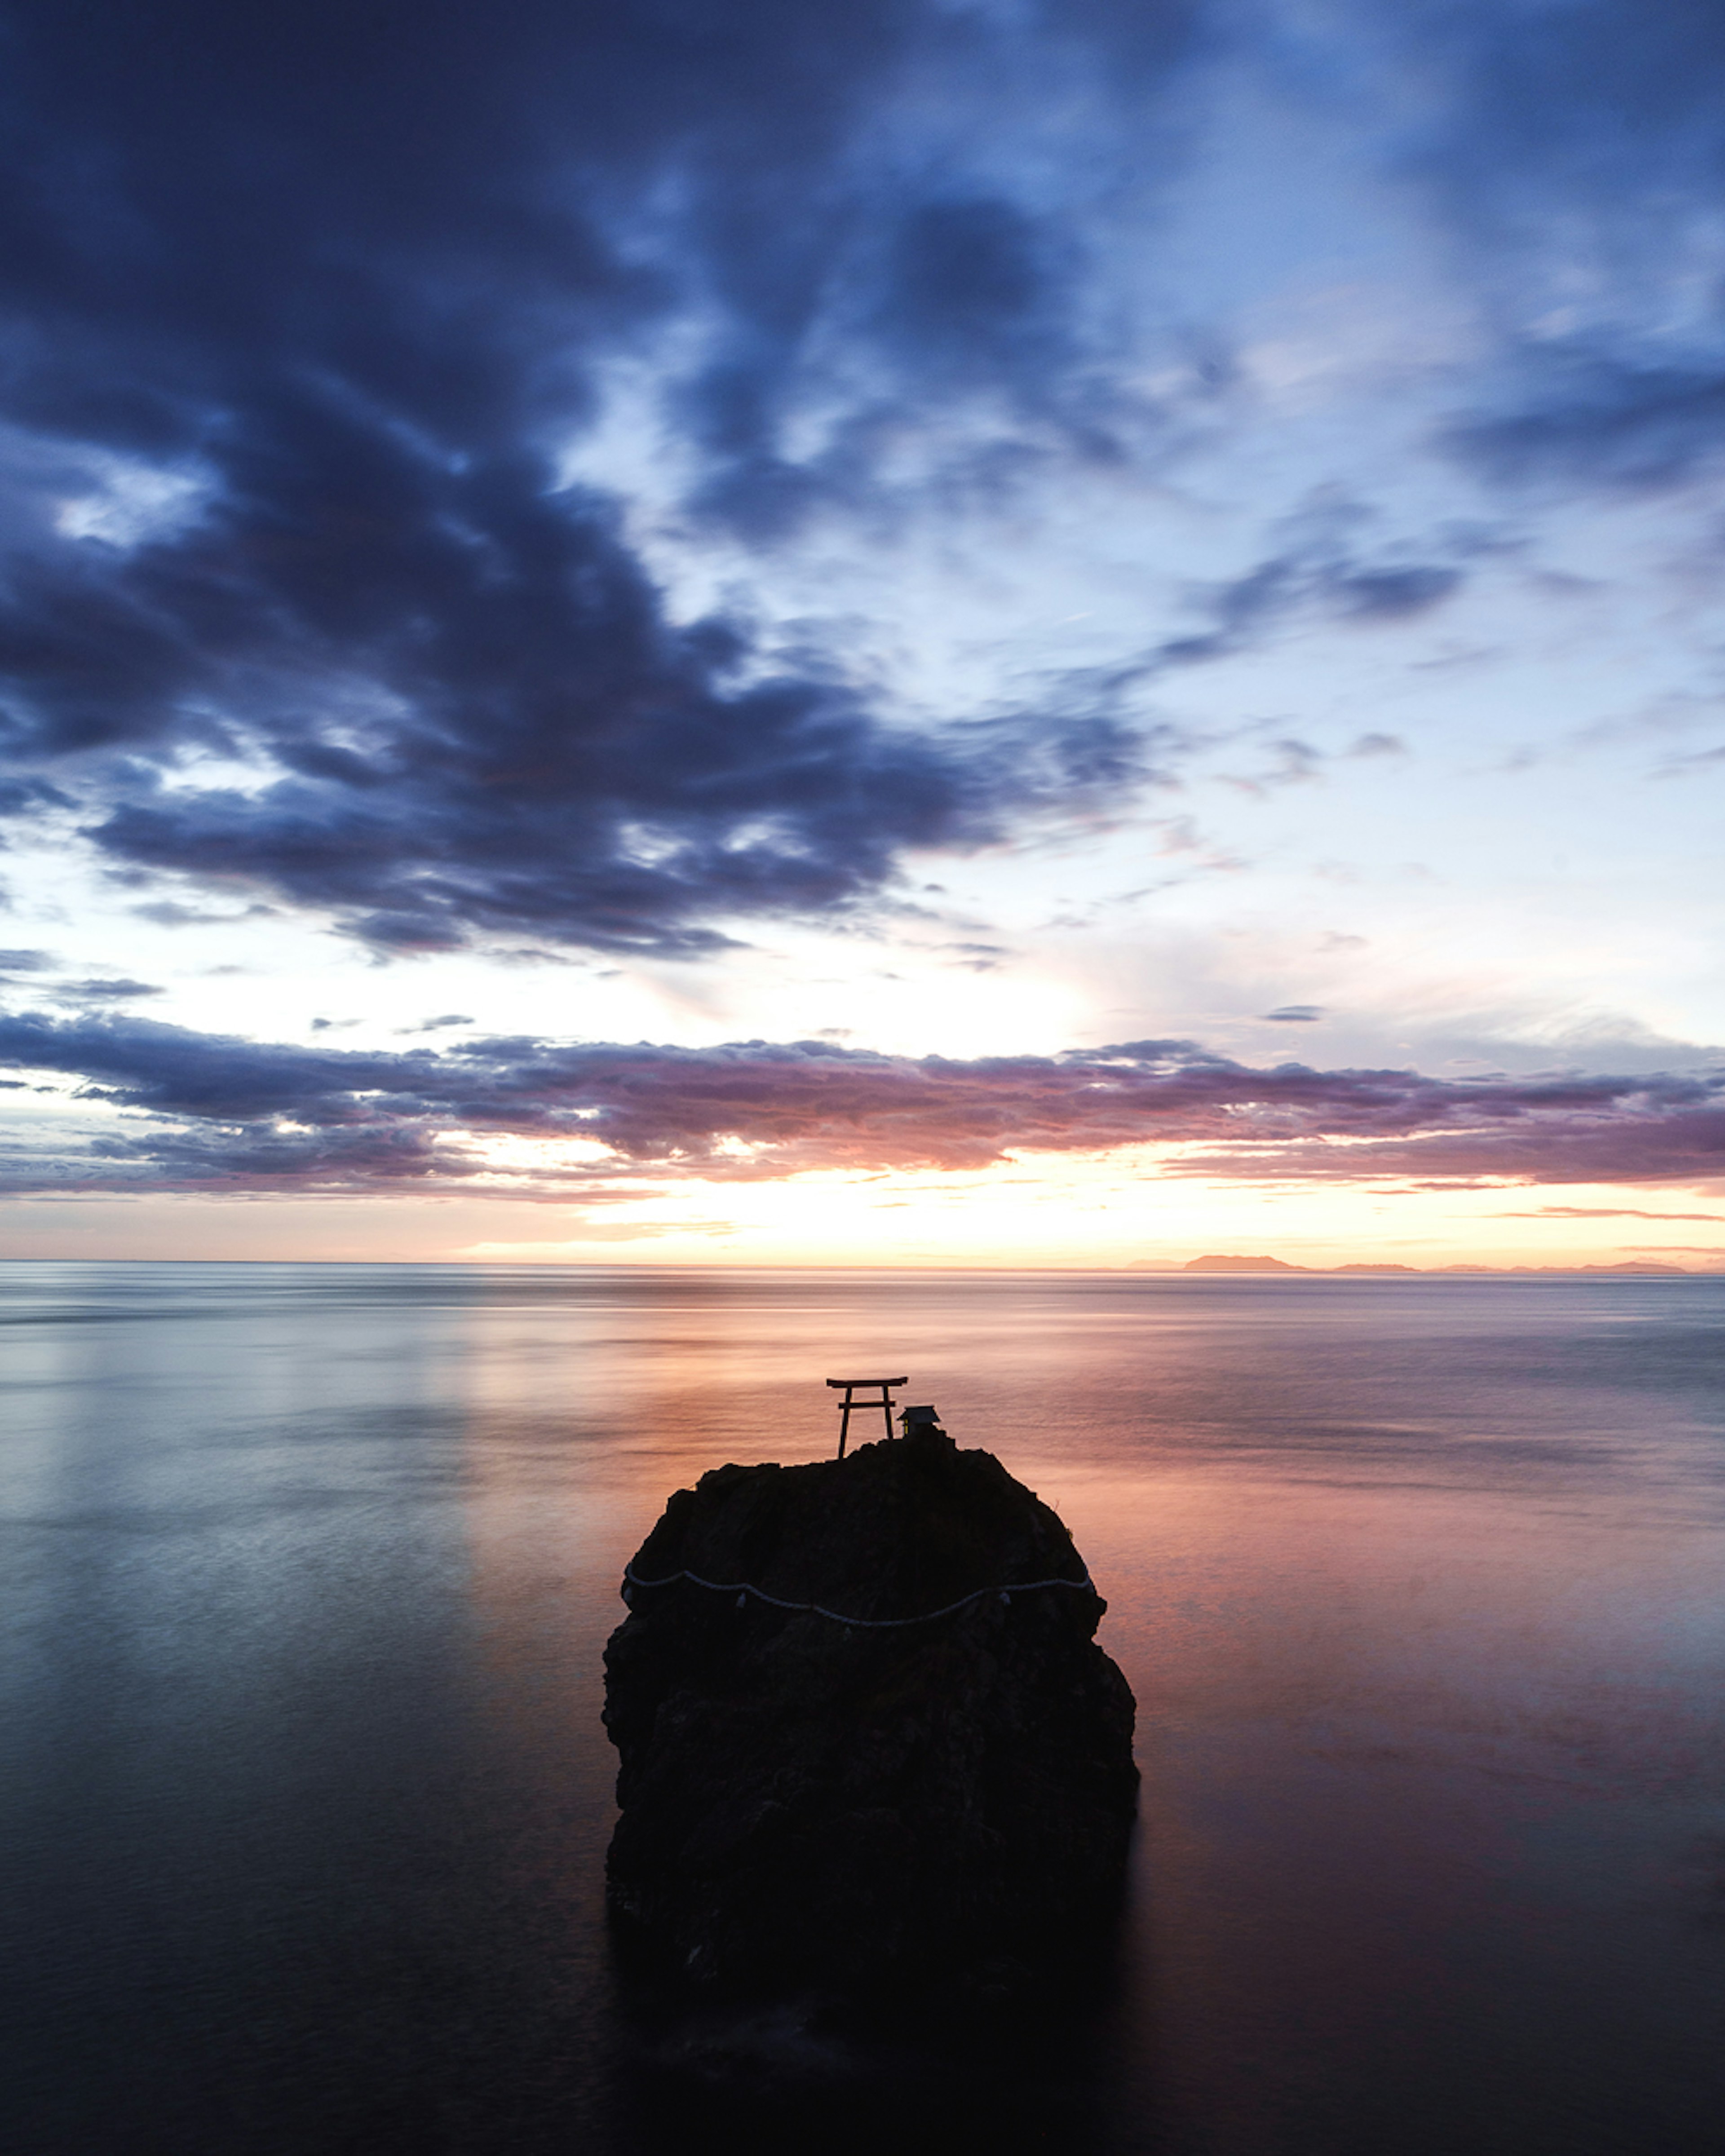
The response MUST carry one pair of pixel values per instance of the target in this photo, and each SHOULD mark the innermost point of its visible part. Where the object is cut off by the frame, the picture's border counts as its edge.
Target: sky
(1075, 634)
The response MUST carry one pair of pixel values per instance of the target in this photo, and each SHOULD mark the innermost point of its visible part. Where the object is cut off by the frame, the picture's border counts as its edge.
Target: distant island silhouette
(1241, 1264)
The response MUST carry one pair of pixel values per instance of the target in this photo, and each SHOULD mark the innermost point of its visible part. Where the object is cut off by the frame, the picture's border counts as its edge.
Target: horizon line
(1173, 1269)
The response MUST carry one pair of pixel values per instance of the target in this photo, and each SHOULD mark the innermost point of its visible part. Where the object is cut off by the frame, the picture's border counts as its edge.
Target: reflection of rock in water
(893, 1815)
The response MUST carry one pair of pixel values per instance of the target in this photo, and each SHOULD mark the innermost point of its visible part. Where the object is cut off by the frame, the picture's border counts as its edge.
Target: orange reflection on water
(1416, 1590)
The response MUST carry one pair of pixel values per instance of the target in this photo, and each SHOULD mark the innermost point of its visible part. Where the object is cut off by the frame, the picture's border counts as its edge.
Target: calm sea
(309, 1568)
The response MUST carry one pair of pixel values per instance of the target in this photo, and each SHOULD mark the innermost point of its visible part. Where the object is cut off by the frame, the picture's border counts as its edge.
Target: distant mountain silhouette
(1235, 1264)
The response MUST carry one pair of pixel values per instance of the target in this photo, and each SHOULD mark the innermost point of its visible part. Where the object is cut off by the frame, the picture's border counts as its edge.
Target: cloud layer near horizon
(210, 1114)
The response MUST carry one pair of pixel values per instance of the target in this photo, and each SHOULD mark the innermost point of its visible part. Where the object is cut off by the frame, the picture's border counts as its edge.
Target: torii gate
(848, 1386)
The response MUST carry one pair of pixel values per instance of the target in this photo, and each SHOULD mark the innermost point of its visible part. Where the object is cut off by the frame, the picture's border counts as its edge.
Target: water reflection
(1417, 1583)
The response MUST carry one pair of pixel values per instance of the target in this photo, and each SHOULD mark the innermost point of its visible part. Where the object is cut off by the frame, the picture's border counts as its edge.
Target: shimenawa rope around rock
(743, 1588)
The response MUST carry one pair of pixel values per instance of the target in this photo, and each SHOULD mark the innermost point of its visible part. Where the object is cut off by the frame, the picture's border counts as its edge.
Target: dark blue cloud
(924, 301)
(1598, 422)
(110, 990)
(1581, 153)
(343, 275)
(208, 1112)
(316, 299)
(1615, 102)
(27, 797)
(1316, 575)
(968, 284)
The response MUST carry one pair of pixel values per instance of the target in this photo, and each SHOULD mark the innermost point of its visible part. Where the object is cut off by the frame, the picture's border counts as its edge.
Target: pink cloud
(215, 1112)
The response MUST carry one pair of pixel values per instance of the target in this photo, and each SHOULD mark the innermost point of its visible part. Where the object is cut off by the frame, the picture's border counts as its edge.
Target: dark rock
(818, 1808)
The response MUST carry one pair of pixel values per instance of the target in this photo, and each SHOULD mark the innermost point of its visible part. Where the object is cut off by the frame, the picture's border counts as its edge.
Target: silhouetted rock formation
(807, 1805)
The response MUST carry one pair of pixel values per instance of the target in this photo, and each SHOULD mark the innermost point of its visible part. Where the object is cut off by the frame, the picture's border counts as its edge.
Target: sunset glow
(946, 637)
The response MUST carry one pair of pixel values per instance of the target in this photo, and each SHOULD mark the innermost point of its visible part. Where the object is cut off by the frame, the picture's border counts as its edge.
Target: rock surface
(809, 1805)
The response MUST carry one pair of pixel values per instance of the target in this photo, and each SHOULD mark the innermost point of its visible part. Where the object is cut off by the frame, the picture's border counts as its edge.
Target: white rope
(742, 1588)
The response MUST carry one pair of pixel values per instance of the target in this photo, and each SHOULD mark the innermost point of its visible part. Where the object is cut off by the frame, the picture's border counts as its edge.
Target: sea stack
(871, 1750)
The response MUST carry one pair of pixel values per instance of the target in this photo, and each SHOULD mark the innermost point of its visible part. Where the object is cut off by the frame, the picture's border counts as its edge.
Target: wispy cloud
(111, 989)
(1600, 423)
(1603, 1213)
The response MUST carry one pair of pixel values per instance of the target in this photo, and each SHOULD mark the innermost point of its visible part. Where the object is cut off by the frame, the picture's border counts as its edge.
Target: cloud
(312, 313)
(172, 913)
(105, 991)
(1296, 1014)
(26, 796)
(316, 303)
(204, 1111)
(1316, 575)
(1606, 424)
(1618, 108)
(1579, 151)
(947, 316)
(1603, 1213)
(1680, 766)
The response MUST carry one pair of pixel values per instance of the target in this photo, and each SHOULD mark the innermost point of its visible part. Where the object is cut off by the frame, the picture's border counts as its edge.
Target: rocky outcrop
(816, 1796)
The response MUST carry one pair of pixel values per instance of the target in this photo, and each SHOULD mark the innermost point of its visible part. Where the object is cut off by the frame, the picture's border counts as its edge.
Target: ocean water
(1420, 1585)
